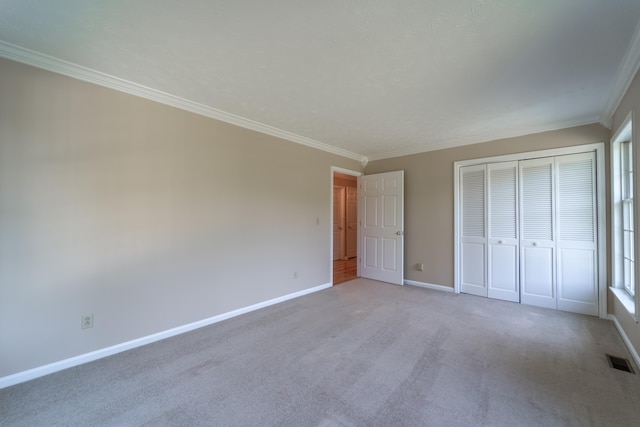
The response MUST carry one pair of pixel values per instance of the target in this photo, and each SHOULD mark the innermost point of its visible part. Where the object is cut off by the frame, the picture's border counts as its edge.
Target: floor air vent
(619, 363)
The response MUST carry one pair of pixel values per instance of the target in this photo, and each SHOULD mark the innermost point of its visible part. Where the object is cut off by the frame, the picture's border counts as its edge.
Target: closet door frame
(601, 211)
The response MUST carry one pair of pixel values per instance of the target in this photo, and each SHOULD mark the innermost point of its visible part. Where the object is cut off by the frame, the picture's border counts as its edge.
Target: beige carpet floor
(360, 354)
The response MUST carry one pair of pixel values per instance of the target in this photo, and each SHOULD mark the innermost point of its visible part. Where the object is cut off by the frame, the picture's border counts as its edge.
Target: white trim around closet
(599, 149)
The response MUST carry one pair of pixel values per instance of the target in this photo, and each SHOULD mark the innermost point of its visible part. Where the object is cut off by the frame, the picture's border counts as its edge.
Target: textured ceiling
(375, 78)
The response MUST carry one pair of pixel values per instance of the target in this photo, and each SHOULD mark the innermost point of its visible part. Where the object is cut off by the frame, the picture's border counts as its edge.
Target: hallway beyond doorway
(345, 270)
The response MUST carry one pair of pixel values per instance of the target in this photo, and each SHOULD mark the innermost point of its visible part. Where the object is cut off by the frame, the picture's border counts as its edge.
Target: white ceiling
(372, 78)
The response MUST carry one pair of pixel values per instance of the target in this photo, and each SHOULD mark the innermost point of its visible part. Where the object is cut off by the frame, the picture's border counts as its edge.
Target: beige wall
(630, 103)
(150, 217)
(429, 218)
(147, 216)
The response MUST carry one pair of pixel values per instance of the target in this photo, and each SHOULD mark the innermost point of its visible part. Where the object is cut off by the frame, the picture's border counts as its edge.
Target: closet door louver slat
(503, 271)
(575, 201)
(473, 204)
(537, 202)
(502, 189)
(473, 243)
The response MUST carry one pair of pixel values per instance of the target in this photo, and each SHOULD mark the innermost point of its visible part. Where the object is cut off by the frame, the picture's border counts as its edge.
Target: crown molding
(491, 136)
(626, 72)
(59, 66)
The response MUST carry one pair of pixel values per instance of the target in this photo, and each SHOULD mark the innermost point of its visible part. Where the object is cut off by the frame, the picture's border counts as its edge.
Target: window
(623, 217)
(626, 177)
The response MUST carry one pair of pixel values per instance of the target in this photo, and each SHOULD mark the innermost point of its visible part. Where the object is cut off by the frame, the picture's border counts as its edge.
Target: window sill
(625, 299)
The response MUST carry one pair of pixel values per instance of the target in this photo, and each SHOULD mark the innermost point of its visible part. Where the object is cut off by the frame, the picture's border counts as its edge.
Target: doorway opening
(345, 227)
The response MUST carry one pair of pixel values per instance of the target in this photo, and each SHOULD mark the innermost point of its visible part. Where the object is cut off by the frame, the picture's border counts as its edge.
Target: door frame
(601, 201)
(334, 169)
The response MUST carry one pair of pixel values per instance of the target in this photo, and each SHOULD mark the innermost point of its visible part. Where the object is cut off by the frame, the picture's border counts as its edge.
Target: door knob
(534, 244)
(499, 242)
(400, 233)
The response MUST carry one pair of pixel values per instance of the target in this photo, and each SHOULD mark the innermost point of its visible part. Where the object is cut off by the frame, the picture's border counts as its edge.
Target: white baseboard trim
(428, 286)
(627, 341)
(40, 371)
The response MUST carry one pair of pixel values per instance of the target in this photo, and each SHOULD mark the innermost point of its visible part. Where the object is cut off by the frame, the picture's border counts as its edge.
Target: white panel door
(473, 240)
(537, 233)
(381, 206)
(502, 215)
(577, 285)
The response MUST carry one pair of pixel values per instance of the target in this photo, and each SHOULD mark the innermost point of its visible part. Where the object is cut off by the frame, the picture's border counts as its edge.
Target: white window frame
(626, 181)
(624, 218)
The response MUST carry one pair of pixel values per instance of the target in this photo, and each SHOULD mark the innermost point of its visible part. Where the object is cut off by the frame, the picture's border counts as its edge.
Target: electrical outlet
(86, 321)
(295, 274)
(420, 266)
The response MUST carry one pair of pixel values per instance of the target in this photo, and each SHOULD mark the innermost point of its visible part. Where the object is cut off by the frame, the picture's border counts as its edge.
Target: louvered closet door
(576, 243)
(473, 237)
(537, 233)
(502, 275)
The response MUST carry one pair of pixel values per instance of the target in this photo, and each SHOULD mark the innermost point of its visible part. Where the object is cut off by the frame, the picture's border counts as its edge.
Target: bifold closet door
(502, 245)
(473, 238)
(529, 232)
(537, 233)
(576, 243)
